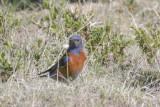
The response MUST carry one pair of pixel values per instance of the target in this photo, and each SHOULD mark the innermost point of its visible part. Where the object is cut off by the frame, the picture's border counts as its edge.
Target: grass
(32, 49)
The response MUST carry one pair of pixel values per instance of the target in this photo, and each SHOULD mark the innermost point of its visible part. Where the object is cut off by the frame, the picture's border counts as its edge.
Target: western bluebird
(74, 58)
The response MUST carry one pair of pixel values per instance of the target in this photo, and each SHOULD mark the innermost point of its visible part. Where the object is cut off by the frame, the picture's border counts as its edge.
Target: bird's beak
(72, 43)
(71, 40)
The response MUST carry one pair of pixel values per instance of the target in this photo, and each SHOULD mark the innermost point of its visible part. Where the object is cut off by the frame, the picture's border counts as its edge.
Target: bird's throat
(75, 51)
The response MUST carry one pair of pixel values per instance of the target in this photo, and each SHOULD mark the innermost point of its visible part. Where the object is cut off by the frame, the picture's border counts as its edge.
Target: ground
(98, 85)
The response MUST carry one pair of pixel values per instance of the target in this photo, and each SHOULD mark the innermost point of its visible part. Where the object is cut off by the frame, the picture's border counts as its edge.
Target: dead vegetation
(31, 46)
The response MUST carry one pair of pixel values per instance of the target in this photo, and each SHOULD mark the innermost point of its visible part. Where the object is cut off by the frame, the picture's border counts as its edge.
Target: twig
(132, 18)
(33, 21)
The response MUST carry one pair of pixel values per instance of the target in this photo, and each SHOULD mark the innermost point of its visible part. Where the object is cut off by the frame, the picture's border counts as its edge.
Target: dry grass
(97, 85)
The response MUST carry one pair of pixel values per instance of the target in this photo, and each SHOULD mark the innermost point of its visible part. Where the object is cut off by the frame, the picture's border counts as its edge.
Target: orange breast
(75, 64)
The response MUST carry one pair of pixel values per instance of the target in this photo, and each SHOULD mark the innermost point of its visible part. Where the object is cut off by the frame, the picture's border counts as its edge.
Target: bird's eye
(77, 40)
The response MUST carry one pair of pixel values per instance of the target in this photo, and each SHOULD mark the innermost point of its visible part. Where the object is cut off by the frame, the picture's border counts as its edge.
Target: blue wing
(62, 62)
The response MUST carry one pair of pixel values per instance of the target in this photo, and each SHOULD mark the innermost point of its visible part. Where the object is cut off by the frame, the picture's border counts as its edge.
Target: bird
(70, 64)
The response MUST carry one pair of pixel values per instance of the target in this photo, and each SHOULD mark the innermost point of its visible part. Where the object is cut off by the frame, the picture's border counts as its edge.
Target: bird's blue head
(75, 44)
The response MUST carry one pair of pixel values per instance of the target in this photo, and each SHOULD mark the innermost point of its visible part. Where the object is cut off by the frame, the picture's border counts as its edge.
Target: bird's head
(75, 44)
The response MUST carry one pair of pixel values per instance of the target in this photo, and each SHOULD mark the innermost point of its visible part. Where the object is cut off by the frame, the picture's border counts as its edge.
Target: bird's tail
(50, 70)
(43, 72)
(41, 76)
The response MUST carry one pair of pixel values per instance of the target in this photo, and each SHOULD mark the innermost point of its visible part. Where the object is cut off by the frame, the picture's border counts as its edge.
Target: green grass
(116, 74)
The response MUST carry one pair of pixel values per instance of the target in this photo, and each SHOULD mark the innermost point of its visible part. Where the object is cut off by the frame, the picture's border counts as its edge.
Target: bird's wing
(62, 62)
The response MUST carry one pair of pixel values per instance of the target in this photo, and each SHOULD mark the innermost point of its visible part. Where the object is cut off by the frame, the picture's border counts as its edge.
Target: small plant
(61, 21)
(7, 24)
(5, 67)
(101, 42)
(38, 52)
(148, 41)
(117, 46)
(107, 45)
